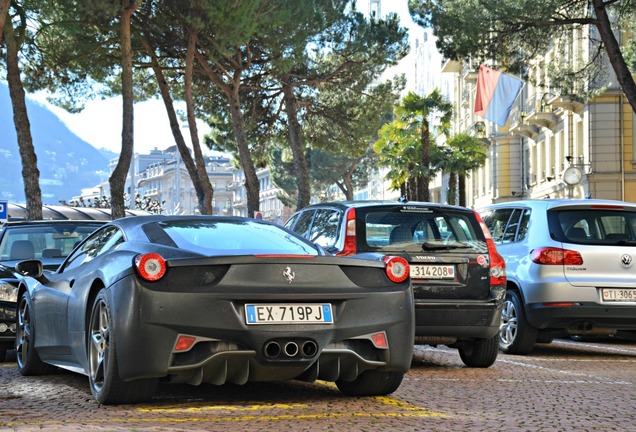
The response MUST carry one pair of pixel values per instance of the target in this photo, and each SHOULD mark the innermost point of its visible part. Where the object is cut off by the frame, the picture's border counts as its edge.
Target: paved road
(563, 386)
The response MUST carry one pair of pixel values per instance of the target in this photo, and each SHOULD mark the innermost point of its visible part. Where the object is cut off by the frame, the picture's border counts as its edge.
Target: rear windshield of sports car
(598, 226)
(235, 238)
(422, 229)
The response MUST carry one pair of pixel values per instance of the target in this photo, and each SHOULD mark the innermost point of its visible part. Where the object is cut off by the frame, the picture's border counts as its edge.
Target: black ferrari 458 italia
(207, 299)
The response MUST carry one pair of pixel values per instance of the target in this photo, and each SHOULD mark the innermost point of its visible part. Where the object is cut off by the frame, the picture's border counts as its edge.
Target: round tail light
(150, 266)
(397, 268)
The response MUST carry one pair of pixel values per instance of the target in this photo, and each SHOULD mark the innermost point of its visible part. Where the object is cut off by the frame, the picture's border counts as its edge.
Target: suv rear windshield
(427, 229)
(594, 226)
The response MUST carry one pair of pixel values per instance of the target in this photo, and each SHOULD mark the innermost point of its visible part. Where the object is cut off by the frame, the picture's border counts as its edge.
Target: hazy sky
(100, 123)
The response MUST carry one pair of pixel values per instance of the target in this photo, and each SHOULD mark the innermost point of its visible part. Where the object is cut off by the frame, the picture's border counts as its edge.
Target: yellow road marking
(322, 416)
(406, 410)
(221, 408)
(399, 404)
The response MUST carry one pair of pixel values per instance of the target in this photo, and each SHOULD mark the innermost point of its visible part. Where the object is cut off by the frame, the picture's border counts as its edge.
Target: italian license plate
(619, 295)
(432, 272)
(297, 313)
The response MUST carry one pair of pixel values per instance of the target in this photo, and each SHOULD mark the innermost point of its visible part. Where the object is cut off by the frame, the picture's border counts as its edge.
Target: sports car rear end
(200, 299)
(263, 318)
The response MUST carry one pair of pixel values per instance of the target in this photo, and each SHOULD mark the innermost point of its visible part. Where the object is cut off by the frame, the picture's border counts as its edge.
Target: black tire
(29, 362)
(516, 336)
(480, 353)
(3, 354)
(371, 383)
(103, 370)
(544, 339)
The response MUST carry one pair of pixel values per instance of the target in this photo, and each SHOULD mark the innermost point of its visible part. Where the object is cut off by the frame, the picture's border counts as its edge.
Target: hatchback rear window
(594, 226)
(388, 229)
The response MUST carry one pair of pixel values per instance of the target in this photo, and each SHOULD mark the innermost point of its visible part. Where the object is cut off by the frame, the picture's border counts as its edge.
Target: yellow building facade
(555, 144)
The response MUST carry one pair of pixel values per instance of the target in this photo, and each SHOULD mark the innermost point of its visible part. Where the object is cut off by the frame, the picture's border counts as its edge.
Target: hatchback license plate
(619, 295)
(432, 272)
(306, 313)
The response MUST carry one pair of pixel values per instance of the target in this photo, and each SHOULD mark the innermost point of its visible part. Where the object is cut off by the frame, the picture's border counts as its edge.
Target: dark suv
(458, 278)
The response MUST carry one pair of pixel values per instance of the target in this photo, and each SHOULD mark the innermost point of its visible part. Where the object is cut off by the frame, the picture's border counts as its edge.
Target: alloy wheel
(23, 336)
(509, 323)
(99, 345)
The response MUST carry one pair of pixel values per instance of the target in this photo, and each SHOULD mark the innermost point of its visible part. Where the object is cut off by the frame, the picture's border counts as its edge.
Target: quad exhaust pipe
(290, 349)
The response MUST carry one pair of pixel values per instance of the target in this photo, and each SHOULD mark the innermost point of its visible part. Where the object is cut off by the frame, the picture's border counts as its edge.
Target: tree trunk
(412, 187)
(117, 179)
(346, 186)
(348, 182)
(231, 91)
(452, 189)
(207, 191)
(4, 8)
(30, 171)
(297, 146)
(252, 185)
(613, 48)
(462, 189)
(175, 128)
(423, 186)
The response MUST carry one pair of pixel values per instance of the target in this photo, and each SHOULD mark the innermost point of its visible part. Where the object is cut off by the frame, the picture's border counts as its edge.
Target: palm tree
(404, 145)
(461, 154)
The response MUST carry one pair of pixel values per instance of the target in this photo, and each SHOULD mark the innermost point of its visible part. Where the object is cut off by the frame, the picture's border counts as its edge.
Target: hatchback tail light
(397, 268)
(497, 263)
(350, 234)
(150, 266)
(555, 256)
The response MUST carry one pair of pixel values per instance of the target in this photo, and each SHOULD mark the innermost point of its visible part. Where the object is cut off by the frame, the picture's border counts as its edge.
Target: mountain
(67, 163)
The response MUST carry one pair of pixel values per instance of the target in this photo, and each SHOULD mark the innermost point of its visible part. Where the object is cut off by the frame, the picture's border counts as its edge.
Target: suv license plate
(619, 295)
(432, 272)
(305, 313)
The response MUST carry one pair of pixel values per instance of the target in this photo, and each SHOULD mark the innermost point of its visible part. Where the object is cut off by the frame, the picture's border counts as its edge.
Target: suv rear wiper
(626, 243)
(438, 246)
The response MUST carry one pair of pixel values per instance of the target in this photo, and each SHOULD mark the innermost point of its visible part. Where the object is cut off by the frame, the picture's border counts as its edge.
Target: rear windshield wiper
(439, 246)
(626, 243)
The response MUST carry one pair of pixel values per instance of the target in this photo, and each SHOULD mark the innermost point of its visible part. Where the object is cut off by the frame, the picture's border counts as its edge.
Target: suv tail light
(350, 234)
(497, 263)
(397, 268)
(555, 256)
(150, 266)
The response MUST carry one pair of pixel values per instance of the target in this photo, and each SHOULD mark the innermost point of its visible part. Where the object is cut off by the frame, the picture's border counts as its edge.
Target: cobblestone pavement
(563, 386)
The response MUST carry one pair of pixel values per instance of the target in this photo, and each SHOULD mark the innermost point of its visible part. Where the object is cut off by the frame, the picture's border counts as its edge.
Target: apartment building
(162, 176)
(555, 144)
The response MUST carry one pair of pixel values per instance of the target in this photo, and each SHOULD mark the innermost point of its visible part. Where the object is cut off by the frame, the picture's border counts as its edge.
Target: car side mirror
(32, 268)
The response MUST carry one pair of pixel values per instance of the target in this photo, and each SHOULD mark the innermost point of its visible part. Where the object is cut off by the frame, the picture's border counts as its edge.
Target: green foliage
(512, 33)
(496, 31)
(461, 153)
(326, 51)
(402, 142)
(345, 121)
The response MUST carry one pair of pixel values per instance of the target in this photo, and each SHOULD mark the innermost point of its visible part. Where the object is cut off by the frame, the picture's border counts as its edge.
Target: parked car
(458, 277)
(214, 299)
(49, 241)
(570, 269)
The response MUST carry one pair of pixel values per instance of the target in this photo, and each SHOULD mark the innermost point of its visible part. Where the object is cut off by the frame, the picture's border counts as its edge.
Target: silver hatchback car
(570, 267)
